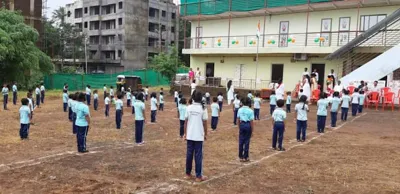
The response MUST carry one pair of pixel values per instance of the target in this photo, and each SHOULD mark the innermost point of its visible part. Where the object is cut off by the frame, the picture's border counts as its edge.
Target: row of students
(39, 91)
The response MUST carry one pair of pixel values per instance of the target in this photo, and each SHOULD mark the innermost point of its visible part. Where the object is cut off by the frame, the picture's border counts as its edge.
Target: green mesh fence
(79, 82)
(212, 7)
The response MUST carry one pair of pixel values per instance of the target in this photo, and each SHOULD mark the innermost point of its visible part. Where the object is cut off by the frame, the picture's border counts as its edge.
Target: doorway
(276, 73)
(209, 71)
(321, 74)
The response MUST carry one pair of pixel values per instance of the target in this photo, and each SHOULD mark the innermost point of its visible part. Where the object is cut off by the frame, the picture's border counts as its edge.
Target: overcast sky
(54, 4)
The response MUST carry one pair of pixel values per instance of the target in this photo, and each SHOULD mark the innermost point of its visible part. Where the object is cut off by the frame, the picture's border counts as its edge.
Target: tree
(182, 35)
(20, 59)
(167, 63)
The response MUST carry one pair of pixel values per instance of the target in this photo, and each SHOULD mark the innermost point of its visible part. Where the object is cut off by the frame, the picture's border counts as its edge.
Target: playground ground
(359, 156)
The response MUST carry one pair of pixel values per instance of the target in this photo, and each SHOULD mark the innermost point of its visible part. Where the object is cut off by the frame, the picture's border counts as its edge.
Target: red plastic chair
(374, 99)
(315, 95)
(388, 99)
(351, 89)
(398, 97)
(385, 90)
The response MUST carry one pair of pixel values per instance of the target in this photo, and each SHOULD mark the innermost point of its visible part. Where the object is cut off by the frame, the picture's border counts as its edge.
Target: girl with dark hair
(82, 122)
(230, 92)
(154, 107)
(301, 122)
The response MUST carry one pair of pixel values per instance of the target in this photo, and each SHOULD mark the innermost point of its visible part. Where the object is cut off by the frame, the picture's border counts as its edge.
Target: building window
(94, 39)
(173, 15)
(119, 53)
(94, 25)
(120, 5)
(120, 21)
(108, 9)
(173, 29)
(85, 10)
(162, 27)
(164, 14)
(85, 24)
(153, 12)
(108, 25)
(95, 10)
(119, 37)
(367, 21)
(78, 13)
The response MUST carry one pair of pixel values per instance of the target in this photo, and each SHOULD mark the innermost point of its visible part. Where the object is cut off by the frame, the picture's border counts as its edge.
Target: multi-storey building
(30, 9)
(122, 34)
(293, 35)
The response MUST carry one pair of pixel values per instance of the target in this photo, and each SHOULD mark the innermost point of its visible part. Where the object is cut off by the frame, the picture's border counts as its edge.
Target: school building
(292, 35)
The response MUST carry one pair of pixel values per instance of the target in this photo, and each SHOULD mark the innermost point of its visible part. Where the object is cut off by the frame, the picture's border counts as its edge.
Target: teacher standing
(280, 90)
(230, 92)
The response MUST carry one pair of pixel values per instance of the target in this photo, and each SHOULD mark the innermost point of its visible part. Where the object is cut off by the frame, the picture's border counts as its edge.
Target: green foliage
(167, 63)
(69, 70)
(20, 59)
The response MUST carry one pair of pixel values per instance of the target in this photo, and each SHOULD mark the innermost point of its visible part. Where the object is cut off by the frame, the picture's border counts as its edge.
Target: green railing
(79, 81)
(212, 7)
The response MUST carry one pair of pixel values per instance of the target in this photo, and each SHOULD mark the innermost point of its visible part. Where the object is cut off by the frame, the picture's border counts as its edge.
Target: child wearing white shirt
(214, 114)
(70, 113)
(208, 100)
(161, 107)
(355, 101)
(65, 100)
(220, 101)
(362, 99)
(154, 107)
(128, 98)
(119, 110)
(257, 106)
(236, 106)
(95, 100)
(107, 102)
(288, 101)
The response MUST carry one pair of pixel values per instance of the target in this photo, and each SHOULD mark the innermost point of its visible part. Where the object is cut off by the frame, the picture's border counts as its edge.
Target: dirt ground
(359, 156)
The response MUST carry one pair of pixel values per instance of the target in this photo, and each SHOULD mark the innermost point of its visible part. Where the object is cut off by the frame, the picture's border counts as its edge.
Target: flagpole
(258, 43)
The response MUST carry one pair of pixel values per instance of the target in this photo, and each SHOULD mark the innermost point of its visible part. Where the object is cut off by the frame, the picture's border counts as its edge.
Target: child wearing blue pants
(107, 102)
(37, 92)
(4, 91)
(153, 106)
(355, 101)
(301, 124)
(128, 98)
(322, 112)
(220, 101)
(214, 114)
(74, 102)
(257, 106)
(88, 95)
(245, 117)
(335, 102)
(278, 121)
(82, 123)
(288, 101)
(65, 100)
(161, 107)
(195, 134)
(182, 112)
(236, 106)
(133, 100)
(140, 117)
(362, 100)
(345, 105)
(24, 117)
(15, 93)
(119, 111)
(95, 100)
(272, 102)
(70, 107)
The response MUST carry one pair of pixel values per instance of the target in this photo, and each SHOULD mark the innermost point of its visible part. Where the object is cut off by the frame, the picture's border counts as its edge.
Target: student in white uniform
(154, 107)
(236, 106)
(195, 134)
(301, 122)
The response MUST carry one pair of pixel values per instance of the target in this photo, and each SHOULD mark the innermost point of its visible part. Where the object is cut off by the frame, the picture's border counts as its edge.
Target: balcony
(313, 42)
(222, 9)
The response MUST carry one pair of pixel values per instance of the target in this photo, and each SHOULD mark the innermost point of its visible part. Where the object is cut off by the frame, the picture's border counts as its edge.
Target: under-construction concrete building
(31, 10)
(123, 34)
